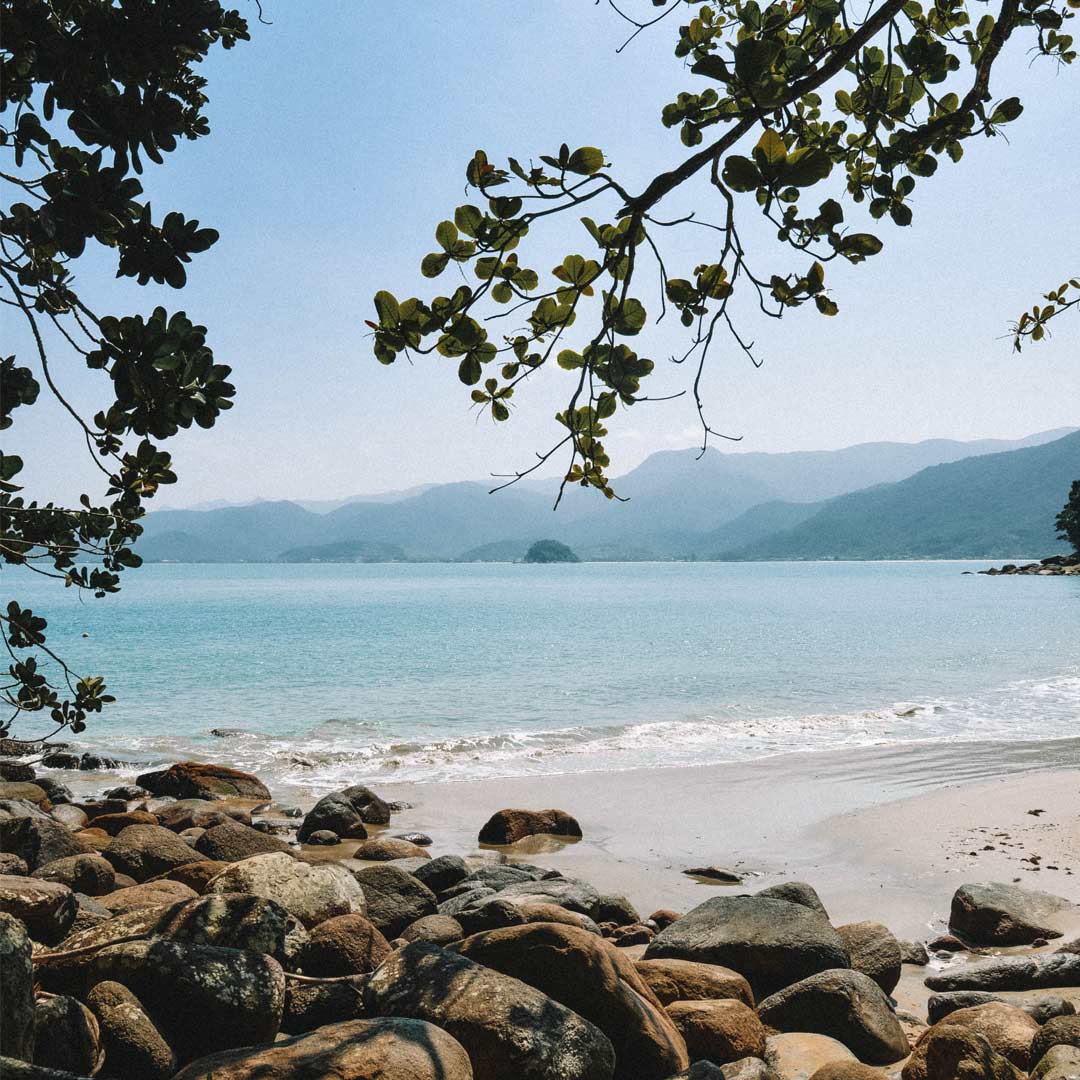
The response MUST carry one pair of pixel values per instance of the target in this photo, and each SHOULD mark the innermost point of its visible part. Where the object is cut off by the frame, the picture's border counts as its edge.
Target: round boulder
(89, 874)
(46, 908)
(133, 1045)
(683, 980)
(720, 1031)
(66, 1036)
(509, 826)
(344, 945)
(196, 780)
(145, 851)
(874, 951)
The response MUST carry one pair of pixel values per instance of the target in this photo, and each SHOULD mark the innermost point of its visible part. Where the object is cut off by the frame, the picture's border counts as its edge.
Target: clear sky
(339, 139)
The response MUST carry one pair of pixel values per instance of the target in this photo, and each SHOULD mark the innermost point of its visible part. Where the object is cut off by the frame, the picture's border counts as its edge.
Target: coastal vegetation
(549, 551)
(1068, 521)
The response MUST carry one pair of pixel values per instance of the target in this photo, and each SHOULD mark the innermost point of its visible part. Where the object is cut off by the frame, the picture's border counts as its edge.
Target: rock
(773, 943)
(874, 951)
(715, 873)
(914, 952)
(147, 895)
(12, 864)
(113, 824)
(508, 1029)
(436, 929)
(751, 1068)
(127, 792)
(441, 873)
(1038, 972)
(719, 1030)
(24, 791)
(463, 901)
(323, 837)
(74, 817)
(196, 875)
(386, 849)
(798, 1055)
(1060, 1031)
(418, 838)
(573, 894)
(389, 1048)
(198, 814)
(46, 908)
(194, 780)
(94, 808)
(133, 1045)
(991, 913)
(684, 980)
(395, 898)
(39, 840)
(498, 911)
(99, 763)
(202, 998)
(617, 909)
(60, 760)
(510, 826)
(313, 1005)
(16, 989)
(847, 1070)
(230, 842)
(66, 1036)
(10, 1069)
(96, 840)
(145, 851)
(1040, 1009)
(1006, 1028)
(89, 874)
(845, 1005)
(20, 808)
(952, 1052)
(344, 813)
(1058, 1063)
(313, 893)
(16, 772)
(796, 892)
(586, 974)
(344, 945)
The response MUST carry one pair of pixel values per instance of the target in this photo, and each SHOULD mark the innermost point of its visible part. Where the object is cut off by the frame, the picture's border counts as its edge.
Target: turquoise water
(431, 672)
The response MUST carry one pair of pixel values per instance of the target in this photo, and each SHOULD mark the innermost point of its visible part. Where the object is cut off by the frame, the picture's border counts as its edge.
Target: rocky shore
(1054, 565)
(189, 927)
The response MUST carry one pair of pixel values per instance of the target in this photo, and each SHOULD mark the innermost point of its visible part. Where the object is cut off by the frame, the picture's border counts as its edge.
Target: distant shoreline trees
(1068, 521)
(550, 551)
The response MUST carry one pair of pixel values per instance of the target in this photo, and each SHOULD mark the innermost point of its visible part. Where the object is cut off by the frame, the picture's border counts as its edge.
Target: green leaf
(569, 360)
(434, 263)
(446, 235)
(586, 160)
(741, 174)
(858, 246)
(770, 147)
(469, 370)
(754, 57)
(469, 219)
(10, 465)
(1006, 110)
(387, 307)
(806, 166)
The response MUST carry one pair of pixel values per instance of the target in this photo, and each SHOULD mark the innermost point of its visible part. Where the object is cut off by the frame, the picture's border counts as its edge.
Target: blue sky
(339, 139)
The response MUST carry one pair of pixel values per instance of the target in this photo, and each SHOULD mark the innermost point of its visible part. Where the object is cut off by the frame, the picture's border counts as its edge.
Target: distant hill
(499, 551)
(755, 524)
(994, 506)
(550, 551)
(344, 551)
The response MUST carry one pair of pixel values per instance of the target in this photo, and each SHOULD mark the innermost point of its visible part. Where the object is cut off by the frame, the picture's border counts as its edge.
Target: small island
(549, 551)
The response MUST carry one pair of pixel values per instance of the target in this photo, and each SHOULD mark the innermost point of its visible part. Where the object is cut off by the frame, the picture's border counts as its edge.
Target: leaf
(569, 360)
(806, 166)
(434, 263)
(468, 219)
(387, 307)
(858, 246)
(741, 174)
(770, 147)
(446, 235)
(469, 370)
(754, 57)
(1006, 110)
(586, 160)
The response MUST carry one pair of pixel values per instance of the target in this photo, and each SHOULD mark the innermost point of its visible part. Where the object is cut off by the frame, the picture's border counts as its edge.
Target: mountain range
(934, 499)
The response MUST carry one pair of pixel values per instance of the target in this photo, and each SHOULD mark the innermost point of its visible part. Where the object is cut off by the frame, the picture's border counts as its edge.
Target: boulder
(344, 813)
(15, 789)
(952, 1052)
(1060, 1031)
(387, 848)
(323, 838)
(798, 1055)
(495, 912)
(344, 945)
(113, 824)
(195, 780)
(313, 893)
(230, 842)
(89, 874)
(1039, 1009)
(394, 898)
(16, 772)
(19, 808)
(573, 894)
(508, 1028)
(847, 1070)
(12, 864)
(314, 1005)
(151, 894)
(39, 840)
(442, 873)
(510, 826)
(145, 851)
(847, 1006)
(46, 908)
(586, 974)
(718, 1030)
(198, 814)
(463, 901)
(797, 892)
(499, 875)
(773, 943)
(914, 952)
(389, 1048)
(202, 998)
(16, 989)
(1058, 1063)
(751, 1068)
(616, 909)
(684, 980)
(196, 875)
(874, 951)
(990, 913)
(134, 1048)
(66, 1036)
(1040, 972)
(1006, 1028)
(436, 929)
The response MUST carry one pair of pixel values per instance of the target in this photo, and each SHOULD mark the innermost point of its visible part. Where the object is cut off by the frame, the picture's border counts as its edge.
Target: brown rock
(847, 1070)
(685, 980)
(196, 780)
(12, 864)
(314, 1005)
(992, 913)
(1008, 1029)
(437, 929)
(16, 989)
(194, 875)
(145, 851)
(39, 840)
(94, 839)
(196, 814)
(510, 826)
(387, 848)
(114, 823)
(798, 1055)
(387, 1048)
(66, 1036)
(88, 874)
(149, 894)
(586, 974)
(720, 1031)
(1058, 1031)
(74, 817)
(874, 951)
(664, 917)
(15, 789)
(394, 898)
(950, 1051)
(46, 908)
(345, 945)
(230, 842)
(134, 1048)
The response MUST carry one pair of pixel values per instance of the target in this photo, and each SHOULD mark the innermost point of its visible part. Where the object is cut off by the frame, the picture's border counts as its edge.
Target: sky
(339, 138)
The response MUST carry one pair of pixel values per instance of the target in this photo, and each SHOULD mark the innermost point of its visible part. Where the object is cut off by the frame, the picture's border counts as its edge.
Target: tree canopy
(548, 551)
(822, 115)
(1068, 521)
(91, 91)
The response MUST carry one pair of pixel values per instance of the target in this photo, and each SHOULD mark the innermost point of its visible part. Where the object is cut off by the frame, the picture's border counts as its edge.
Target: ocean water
(352, 673)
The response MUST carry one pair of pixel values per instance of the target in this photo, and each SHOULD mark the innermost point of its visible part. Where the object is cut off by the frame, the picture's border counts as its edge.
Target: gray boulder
(773, 943)
(46, 908)
(465, 900)
(1058, 1063)
(845, 1005)
(16, 989)
(39, 840)
(66, 1036)
(89, 874)
(874, 951)
(134, 1047)
(570, 893)
(1040, 972)
(797, 892)
(991, 913)
(395, 898)
(1042, 1009)
(145, 851)
(1061, 1031)
(345, 813)
(441, 873)
(508, 1028)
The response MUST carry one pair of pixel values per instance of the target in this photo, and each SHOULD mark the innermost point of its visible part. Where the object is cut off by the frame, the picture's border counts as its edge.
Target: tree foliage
(822, 115)
(91, 88)
(1068, 521)
(549, 551)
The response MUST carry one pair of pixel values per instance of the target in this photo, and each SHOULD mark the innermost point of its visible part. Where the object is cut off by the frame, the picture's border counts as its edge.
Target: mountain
(992, 506)
(344, 551)
(755, 524)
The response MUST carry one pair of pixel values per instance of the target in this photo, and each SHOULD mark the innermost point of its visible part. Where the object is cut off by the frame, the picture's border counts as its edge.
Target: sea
(323, 675)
